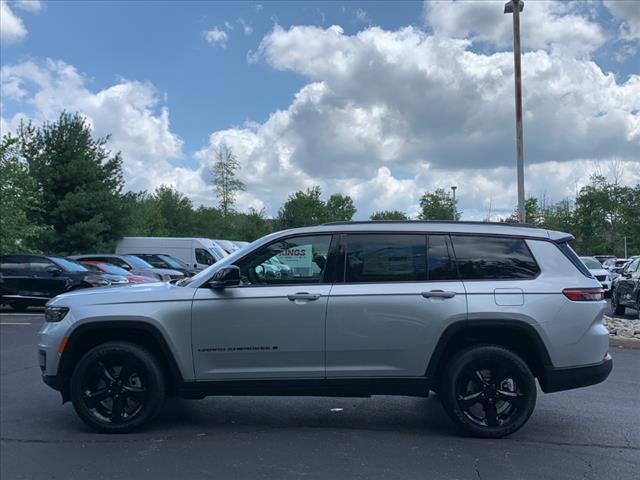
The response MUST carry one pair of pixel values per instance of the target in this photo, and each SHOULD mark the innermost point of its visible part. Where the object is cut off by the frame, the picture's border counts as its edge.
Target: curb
(621, 342)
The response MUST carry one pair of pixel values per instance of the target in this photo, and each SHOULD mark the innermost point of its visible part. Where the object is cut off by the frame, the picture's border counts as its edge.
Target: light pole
(515, 7)
(453, 189)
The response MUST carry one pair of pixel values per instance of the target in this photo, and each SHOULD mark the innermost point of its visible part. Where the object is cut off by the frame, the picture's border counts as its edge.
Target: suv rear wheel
(488, 390)
(117, 386)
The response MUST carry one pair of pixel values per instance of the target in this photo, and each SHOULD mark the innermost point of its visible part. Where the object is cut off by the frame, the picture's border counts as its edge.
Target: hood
(599, 271)
(137, 293)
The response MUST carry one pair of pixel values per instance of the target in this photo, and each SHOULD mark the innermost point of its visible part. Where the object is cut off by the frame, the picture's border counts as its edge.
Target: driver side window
(298, 260)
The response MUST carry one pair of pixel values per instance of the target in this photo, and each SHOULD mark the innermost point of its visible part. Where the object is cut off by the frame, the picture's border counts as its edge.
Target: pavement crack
(477, 469)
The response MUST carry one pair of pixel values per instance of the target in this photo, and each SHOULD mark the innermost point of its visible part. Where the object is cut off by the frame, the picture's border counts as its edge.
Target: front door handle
(438, 294)
(303, 296)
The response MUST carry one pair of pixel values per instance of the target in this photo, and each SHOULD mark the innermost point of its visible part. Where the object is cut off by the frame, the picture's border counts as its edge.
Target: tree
(389, 215)
(532, 211)
(80, 181)
(176, 209)
(438, 206)
(339, 208)
(251, 226)
(225, 182)
(303, 209)
(19, 196)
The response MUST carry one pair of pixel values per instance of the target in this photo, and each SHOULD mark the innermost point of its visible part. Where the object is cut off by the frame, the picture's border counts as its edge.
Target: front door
(385, 319)
(272, 325)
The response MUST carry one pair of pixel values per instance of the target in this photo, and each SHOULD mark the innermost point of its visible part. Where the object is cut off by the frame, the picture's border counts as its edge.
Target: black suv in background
(626, 289)
(28, 280)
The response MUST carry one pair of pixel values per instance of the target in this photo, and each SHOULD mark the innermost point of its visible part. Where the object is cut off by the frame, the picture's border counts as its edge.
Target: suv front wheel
(488, 390)
(117, 386)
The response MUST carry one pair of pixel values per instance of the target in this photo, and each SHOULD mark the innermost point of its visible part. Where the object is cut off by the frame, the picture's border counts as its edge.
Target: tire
(615, 304)
(127, 383)
(488, 391)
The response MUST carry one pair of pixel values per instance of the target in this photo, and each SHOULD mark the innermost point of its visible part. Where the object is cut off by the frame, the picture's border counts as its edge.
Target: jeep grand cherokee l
(473, 311)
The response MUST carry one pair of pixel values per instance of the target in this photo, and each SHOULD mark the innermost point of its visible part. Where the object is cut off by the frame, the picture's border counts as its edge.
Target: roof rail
(464, 222)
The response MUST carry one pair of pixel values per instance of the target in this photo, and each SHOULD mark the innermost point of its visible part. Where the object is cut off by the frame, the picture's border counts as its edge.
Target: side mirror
(126, 266)
(225, 277)
(55, 271)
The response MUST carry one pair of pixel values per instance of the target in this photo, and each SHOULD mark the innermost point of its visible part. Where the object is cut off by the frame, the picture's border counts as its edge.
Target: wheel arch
(89, 335)
(516, 335)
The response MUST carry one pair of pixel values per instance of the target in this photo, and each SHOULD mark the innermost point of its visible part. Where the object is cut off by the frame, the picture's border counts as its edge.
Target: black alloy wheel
(489, 391)
(117, 386)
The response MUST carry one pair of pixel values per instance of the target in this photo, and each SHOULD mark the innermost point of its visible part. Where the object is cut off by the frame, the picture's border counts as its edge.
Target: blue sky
(313, 93)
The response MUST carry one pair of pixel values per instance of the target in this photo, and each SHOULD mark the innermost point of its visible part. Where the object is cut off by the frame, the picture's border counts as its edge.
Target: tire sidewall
(449, 395)
(155, 386)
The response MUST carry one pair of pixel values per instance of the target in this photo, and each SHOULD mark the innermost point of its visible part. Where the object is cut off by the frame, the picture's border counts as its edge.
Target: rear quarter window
(493, 258)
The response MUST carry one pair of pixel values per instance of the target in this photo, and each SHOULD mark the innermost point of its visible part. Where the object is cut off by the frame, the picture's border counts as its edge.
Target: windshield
(68, 265)
(173, 262)
(591, 263)
(136, 262)
(109, 268)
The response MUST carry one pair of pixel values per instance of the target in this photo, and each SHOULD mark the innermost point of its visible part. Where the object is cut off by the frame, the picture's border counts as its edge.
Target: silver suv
(473, 311)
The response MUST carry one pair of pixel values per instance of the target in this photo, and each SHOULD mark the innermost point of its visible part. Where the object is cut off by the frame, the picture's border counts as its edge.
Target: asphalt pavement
(591, 433)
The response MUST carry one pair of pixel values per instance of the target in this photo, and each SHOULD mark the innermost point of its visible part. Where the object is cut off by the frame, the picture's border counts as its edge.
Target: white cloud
(247, 29)
(12, 28)
(33, 6)
(128, 110)
(549, 25)
(628, 13)
(388, 114)
(216, 36)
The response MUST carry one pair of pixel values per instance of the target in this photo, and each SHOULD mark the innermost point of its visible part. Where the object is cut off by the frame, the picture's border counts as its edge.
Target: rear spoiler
(560, 237)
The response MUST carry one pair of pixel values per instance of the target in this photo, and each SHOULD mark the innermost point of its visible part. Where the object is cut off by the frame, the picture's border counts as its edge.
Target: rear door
(398, 293)
(15, 276)
(627, 283)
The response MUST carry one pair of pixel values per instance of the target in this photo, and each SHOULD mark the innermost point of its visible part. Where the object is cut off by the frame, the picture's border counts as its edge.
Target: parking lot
(586, 433)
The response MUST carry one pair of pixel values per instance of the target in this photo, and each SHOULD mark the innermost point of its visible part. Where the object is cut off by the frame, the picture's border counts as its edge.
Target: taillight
(584, 294)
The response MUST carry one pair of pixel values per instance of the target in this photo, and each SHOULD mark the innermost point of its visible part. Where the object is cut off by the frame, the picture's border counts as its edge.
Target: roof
(493, 228)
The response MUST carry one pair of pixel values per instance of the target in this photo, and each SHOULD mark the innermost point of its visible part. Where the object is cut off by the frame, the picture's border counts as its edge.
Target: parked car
(108, 269)
(240, 243)
(227, 245)
(599, 272)
(626, 289)
(602, 258)
(473, 311)
(132, 264)
(160, 260)
(198, 253)
(615, 266)
(28, 280)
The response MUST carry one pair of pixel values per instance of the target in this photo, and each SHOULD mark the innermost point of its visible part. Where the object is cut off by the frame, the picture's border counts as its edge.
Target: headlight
(55, 314)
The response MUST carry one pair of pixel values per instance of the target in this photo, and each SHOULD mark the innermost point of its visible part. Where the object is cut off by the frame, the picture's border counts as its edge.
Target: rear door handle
(303, 296)
(438, 294)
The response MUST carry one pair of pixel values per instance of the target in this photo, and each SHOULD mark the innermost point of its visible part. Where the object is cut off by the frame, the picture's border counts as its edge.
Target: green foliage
(389, 215)
(532, 212)
(19, 195)
(307, 208)
(80, 183)
(438, 205)
(225, 182)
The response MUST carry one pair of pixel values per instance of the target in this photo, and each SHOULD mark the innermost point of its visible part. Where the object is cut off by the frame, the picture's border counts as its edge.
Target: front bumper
(558, 379)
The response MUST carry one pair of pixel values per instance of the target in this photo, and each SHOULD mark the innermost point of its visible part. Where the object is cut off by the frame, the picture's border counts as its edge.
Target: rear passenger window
(493, 258)
(385, 258)
(440, 259)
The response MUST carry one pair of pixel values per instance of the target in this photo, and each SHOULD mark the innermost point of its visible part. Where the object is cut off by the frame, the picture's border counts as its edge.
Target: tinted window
(135, 262)
(14, 262)
(591, 263)
(633, 266)
(68, 265)
(40, 264)
(204, 257)
(440, 259)
(481, 258)
(298, 260)
(386, 258)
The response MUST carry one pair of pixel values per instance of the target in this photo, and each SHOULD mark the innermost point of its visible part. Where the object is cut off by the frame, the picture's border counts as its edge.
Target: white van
(195, 252)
